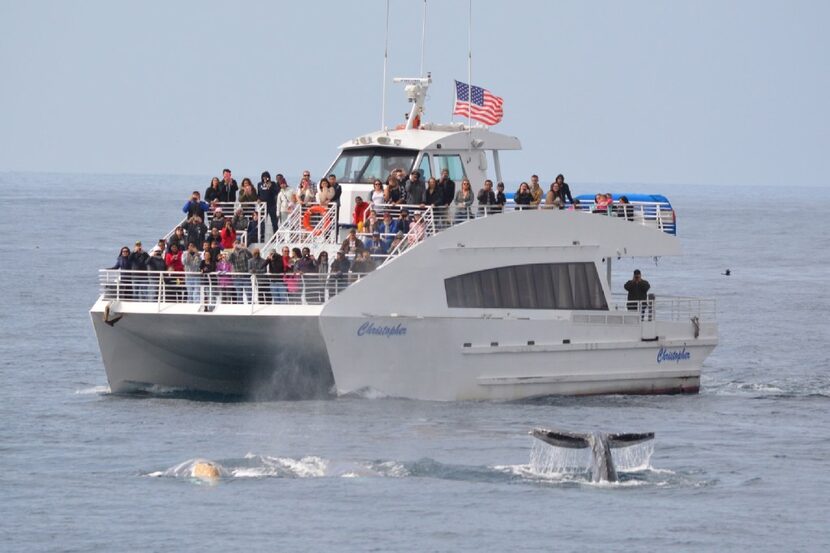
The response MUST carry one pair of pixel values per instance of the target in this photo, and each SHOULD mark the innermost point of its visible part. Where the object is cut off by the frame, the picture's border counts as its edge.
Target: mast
(470, 68)
(385, 62)
(423, 38)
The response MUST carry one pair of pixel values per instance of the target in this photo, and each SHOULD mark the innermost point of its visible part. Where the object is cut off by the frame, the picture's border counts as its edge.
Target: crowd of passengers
(217, 245)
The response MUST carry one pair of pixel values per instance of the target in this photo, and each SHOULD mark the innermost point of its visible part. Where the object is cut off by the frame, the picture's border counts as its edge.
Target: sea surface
(742, 466)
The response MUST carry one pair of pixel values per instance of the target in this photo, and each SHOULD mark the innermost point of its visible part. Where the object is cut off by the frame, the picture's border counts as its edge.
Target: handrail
(658, 215)
(164, 288)
(293, 231)
(668, 308)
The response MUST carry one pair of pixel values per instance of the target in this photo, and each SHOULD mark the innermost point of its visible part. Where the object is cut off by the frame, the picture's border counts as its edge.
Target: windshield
(368, 164)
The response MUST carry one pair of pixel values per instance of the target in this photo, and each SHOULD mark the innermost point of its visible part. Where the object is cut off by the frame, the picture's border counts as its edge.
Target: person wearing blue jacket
(195, 206)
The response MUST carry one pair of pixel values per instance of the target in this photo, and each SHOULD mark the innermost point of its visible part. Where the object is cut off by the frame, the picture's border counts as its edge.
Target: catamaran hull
(463, 359)
(255, 357)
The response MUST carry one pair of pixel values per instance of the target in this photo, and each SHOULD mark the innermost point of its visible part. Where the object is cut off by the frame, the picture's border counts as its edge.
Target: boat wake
(817, 387)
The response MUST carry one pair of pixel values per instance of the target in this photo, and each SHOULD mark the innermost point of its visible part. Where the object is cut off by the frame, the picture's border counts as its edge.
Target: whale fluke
(601, 443)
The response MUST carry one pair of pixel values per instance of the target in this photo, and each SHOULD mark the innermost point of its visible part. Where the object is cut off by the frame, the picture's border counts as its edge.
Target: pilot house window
(535, 286)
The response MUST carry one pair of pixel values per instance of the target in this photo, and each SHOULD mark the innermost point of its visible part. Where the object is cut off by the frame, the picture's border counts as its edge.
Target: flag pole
(385, 63)
(470, 67)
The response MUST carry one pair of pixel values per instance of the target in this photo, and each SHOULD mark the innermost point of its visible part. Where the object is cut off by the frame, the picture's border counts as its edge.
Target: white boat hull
(486, 359)
(255, 356)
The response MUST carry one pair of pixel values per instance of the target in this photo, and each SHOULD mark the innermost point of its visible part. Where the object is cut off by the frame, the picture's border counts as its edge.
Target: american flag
(485, 107)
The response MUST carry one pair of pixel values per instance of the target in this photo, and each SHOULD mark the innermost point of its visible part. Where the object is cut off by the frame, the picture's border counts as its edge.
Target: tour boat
(483, 303)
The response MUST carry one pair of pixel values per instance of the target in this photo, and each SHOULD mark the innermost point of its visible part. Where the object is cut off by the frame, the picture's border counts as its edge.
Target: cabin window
(535, 286)
(453, 164)
(426, 170)
(367, 164)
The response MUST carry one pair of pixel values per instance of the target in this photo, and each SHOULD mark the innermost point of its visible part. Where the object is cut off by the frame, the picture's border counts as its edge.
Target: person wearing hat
(218, 219)
(376, 245)
(637, 289)
(352, 244)
(138, 262)
(501, 199)
(339, 270)
(388, 227)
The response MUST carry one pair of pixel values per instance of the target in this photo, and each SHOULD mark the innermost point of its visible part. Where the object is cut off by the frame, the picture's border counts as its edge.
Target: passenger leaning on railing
(257, 266)
(277, 266)
(414, 189)
(122, 262)
(553, 199)
(239, 259)
(433, 195)
(224, 280)
(447, 187)
(213, 191)
(247, 194)
(486, 199)
(536, 191)
(523, 197)
(393, 193)
(339, 271)
(192, 261)
(463, 202)
(501, 199)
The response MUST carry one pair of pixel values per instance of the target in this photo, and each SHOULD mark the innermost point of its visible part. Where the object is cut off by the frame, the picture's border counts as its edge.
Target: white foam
(99, 390)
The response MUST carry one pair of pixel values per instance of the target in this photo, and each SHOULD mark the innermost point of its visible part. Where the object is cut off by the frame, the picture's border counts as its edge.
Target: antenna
(385, 61)
(423, 38)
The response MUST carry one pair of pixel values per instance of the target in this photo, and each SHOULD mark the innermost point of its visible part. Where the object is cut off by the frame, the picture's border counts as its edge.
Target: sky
(676, 92)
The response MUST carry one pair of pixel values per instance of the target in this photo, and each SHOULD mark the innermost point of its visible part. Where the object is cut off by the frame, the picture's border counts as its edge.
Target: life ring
(317, 210)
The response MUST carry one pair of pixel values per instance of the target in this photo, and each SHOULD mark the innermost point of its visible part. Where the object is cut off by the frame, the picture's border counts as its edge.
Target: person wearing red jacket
(228, 236)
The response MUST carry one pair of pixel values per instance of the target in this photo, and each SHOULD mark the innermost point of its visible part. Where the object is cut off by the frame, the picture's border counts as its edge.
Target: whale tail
(581, 440)
(600, 443)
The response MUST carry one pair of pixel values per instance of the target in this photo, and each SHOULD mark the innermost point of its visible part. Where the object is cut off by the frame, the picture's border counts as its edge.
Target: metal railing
(248, 209)
(656, 215)
(308, 224)
(668, 308)
(209, 290)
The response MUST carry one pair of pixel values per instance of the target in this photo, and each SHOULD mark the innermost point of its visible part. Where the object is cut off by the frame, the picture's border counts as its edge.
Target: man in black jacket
(447, 186)
(564, 189)
(228, 188)
(266, 191)
(486, 199)
(637, 289)
(138, 262)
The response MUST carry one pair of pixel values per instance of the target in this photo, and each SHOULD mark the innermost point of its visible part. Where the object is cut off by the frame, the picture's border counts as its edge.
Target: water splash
(93, 390)
(552, 462)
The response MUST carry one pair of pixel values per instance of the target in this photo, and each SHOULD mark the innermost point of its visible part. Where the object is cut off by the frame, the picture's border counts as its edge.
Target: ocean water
(742, 466)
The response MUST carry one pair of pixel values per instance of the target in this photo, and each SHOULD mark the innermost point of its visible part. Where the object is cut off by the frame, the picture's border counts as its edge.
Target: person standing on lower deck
(637, 289)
